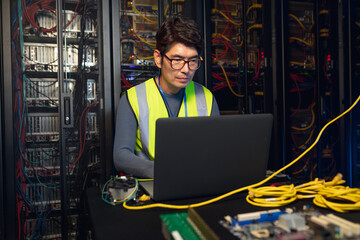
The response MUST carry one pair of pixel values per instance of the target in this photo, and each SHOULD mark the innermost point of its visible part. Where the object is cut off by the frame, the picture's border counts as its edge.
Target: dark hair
(178, 30)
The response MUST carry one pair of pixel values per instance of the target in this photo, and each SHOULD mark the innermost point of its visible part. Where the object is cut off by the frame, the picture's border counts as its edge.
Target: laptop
(209, 156)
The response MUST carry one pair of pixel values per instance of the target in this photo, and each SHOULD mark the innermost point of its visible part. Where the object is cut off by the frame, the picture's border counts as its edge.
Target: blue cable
(38, 224)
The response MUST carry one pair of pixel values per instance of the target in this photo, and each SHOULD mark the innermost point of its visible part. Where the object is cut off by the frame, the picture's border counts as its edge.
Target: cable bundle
(119, 190)
(29, 13)
(272, 196)
(340, 198)
(343, 198)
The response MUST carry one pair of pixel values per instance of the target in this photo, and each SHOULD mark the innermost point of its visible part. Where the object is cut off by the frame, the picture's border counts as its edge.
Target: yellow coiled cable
(325, 194)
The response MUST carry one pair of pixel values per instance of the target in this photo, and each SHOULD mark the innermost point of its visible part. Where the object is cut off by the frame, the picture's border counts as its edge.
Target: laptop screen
(207, 156)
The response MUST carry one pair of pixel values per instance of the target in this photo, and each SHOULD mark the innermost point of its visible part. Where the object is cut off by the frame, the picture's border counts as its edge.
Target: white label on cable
(271, 199)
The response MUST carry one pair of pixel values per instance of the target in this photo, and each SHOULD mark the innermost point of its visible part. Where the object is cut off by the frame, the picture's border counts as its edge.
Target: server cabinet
(138, 26)
(312, 87)
(59, 107)
(239, 70)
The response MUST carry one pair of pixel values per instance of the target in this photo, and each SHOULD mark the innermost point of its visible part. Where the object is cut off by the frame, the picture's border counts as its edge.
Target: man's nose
(185, 68)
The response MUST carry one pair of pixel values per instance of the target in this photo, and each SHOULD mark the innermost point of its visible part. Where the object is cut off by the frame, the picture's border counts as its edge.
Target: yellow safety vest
(148, 105)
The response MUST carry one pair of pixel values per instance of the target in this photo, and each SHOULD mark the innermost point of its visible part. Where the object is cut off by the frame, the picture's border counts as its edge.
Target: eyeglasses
(178, 64)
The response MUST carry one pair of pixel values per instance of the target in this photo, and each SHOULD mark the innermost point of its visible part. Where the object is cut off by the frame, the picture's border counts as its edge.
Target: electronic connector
(122, 188)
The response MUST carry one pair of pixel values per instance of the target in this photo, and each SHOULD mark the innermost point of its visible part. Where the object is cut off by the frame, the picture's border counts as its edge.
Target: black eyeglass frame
(185, 62)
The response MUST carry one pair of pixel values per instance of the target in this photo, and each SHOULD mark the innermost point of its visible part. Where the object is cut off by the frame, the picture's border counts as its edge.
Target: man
(172, 94)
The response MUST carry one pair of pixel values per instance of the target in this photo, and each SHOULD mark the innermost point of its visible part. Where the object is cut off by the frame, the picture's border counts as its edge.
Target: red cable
(30, 12)
(82, 143)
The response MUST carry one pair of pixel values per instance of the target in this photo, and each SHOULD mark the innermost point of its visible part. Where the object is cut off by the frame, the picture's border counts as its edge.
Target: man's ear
(157, 58)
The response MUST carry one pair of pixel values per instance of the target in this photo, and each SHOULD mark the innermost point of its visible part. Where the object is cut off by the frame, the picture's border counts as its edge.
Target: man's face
(171, 80)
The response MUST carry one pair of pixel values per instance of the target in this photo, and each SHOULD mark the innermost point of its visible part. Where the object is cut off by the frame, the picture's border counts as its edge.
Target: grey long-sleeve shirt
(125, 159)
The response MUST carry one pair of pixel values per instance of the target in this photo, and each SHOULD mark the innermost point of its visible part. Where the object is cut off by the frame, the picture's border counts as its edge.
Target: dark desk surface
(115, 222)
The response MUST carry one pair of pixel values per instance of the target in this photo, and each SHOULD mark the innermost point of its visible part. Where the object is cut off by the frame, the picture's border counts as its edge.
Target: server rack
(331, 148)
(57, 112)
(240, 61)
(312, 87)
(138, 25)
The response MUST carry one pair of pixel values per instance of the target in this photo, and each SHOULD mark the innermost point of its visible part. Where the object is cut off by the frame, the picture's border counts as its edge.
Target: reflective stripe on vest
(148, 105)
(143, 121)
